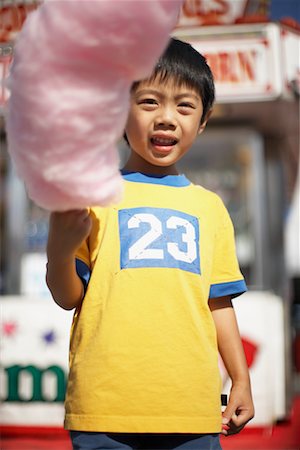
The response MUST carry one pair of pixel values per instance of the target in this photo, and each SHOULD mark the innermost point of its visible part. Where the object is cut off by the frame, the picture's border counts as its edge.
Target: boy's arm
(240, 407)
(67, 230)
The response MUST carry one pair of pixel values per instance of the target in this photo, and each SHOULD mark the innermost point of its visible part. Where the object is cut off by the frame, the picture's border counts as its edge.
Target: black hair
(186, 66)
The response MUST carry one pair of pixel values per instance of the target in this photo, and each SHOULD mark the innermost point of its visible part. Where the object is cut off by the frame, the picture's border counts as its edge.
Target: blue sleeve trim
(83, 271)
(233, 288)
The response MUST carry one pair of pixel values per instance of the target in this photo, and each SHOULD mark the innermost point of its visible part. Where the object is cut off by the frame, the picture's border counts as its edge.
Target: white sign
(34, 353)
(211, 12)
(246, 61)
(261, 321)
(33, 275)
(291, 59)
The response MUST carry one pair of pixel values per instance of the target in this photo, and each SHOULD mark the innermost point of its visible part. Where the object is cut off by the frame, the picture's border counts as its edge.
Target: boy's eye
(186, 105)
(148, 101)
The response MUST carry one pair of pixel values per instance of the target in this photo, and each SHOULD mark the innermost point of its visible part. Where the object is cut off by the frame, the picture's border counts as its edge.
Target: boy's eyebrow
(188, 94)
(148, 91)
(177, 97)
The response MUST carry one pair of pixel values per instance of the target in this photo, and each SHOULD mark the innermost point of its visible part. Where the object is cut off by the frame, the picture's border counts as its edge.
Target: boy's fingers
(242, 418)
(236, 421)
(80, 212)
(85, 213)
(80, 215)
(228, 413)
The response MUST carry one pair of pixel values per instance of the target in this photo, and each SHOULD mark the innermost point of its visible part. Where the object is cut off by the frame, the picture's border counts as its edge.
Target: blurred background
(249, 155)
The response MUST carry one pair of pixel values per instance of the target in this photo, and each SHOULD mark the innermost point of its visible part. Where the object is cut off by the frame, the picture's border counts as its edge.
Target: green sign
(36, 374)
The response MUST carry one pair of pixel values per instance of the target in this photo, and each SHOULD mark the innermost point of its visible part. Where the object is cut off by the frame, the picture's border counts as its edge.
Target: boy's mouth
(163, 143)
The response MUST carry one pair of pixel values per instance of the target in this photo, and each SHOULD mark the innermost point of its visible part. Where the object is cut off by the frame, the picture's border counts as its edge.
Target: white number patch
(157, 237)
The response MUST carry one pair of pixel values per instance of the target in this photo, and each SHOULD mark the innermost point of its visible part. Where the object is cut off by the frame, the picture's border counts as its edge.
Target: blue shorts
(84, 440)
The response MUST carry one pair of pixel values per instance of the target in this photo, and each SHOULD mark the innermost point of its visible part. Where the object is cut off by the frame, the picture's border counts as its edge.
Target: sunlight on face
(163, 122)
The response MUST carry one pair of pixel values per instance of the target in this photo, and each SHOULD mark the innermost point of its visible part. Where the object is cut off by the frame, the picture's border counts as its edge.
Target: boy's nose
(166, 118)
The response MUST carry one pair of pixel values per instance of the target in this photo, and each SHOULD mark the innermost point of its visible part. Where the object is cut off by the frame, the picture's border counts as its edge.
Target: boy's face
(163, 122)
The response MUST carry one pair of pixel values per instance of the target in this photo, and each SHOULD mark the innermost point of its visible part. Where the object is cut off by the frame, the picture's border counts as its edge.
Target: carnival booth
(248, 155)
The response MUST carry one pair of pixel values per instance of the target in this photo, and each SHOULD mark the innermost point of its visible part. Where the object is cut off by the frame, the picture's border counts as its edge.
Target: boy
(152, 280)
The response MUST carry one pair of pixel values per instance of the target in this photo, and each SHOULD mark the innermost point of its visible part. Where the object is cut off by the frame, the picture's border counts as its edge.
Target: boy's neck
(140, 165)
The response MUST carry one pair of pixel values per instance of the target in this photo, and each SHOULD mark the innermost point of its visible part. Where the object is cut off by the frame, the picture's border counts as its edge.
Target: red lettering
(247, 64)
(224, 7)
(4, 66)
(213, 62)
(12, 19)
(9, 21)
(207, 12)
(227, 68)
(232, 67)
(192, 8)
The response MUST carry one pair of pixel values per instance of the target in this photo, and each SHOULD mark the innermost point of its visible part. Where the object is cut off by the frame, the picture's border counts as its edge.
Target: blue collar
(166, 180)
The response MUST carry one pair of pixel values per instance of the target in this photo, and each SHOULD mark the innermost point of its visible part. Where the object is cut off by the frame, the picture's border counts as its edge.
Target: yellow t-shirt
(143, 355)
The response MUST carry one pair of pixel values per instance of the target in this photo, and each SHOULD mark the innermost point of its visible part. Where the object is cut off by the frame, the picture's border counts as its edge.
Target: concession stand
(248, 154)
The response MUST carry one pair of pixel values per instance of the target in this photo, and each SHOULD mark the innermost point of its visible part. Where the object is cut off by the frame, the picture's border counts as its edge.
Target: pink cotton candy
(74, 63)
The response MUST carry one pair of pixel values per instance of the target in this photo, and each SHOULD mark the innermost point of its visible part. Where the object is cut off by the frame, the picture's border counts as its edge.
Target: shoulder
(214, 205)
(209, 196)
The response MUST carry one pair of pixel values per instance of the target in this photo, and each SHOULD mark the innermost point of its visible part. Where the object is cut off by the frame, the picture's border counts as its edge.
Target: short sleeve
(226, 277)
(87, 252)
(83, 253)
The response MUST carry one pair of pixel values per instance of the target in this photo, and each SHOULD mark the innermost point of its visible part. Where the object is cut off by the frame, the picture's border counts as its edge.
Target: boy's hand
(239, 410)
(67, 230)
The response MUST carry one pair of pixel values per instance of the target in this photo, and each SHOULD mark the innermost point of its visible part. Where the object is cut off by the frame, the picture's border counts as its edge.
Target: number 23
(139, 250)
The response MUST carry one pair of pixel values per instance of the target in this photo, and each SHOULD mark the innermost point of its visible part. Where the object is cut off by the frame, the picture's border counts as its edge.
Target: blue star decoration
(49, 337)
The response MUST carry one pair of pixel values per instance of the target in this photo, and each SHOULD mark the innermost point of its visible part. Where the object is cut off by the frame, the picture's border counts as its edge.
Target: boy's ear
(203, 125)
